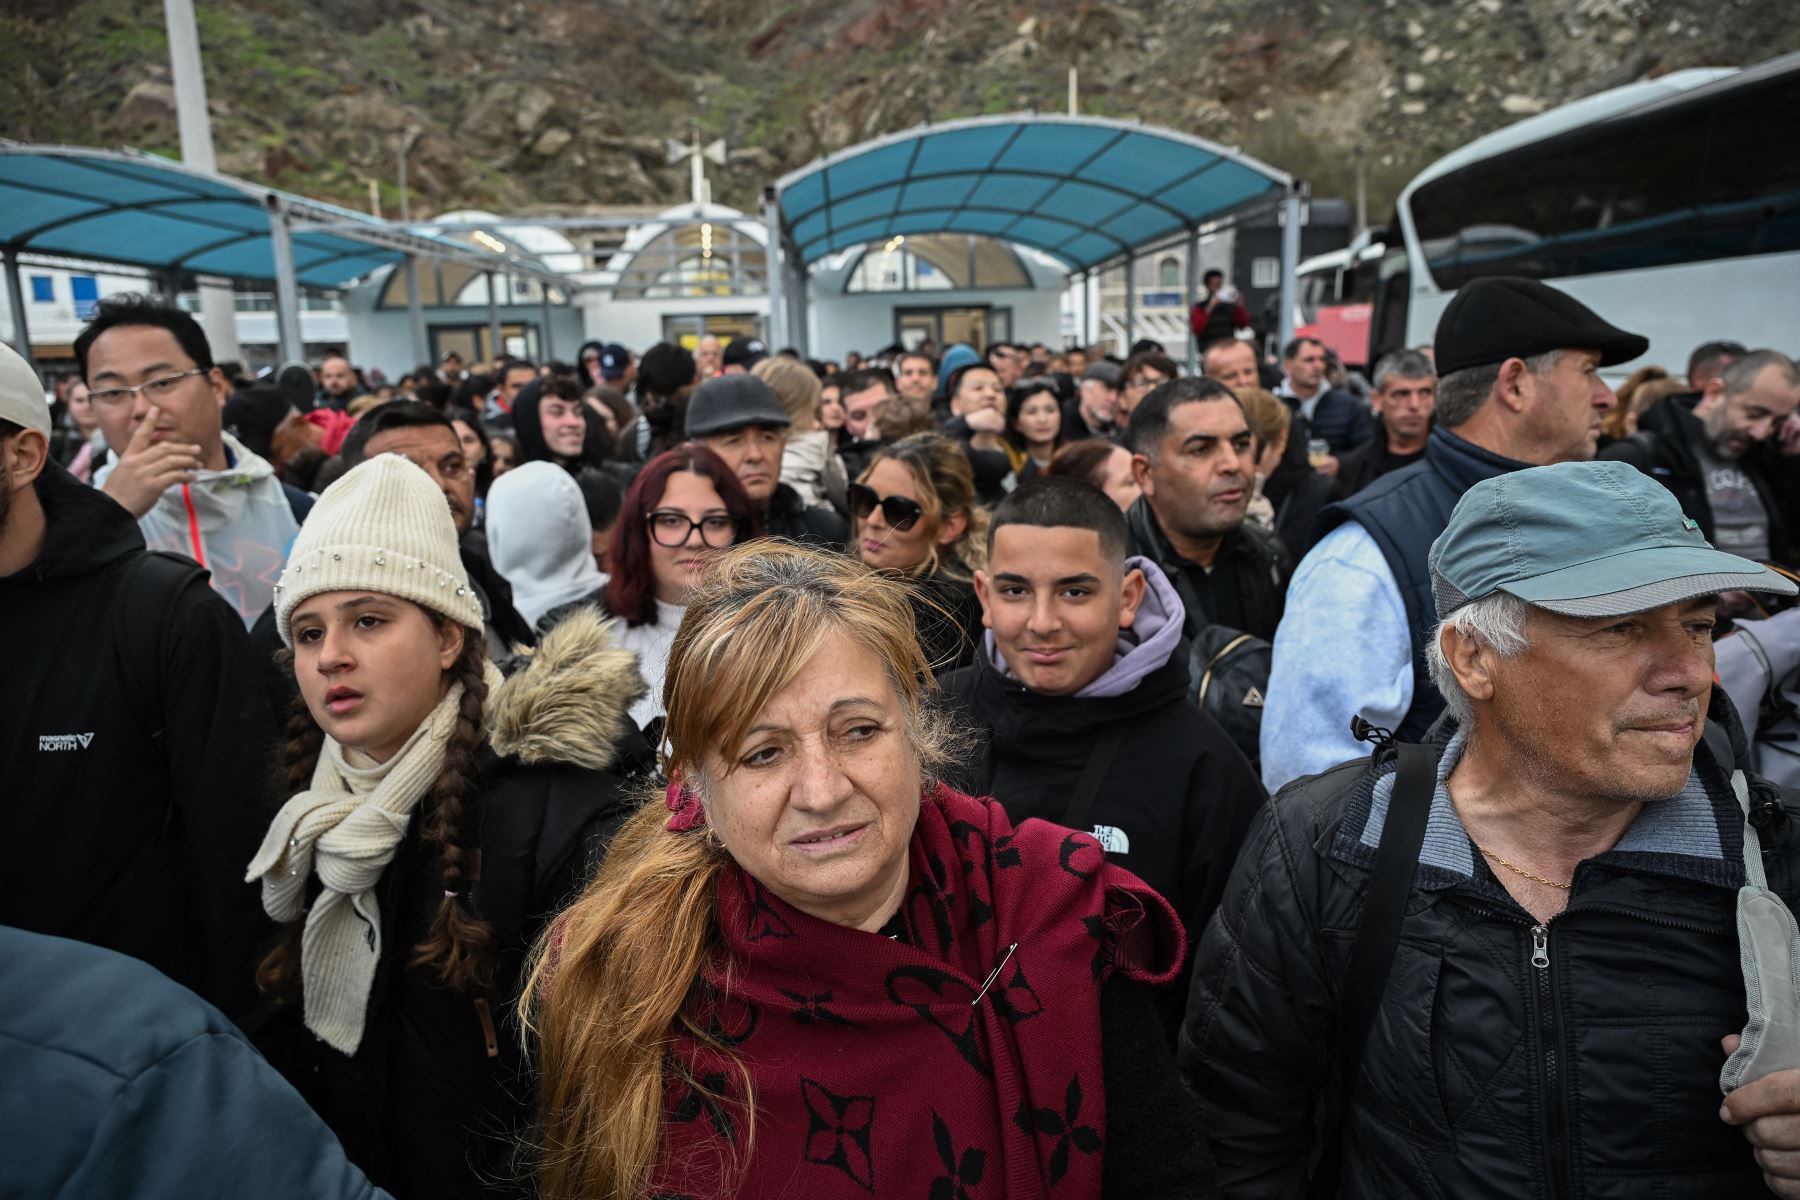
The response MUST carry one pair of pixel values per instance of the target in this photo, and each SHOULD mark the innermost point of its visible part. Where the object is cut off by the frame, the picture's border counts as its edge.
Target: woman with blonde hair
(915, 515)
(809, 464)
(807, 968)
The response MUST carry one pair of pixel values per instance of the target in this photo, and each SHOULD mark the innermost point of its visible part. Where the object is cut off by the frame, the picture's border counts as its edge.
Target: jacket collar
(1696, 834)
(1463, 463)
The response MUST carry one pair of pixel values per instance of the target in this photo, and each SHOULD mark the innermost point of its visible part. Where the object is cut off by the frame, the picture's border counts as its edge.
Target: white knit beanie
(382, 527)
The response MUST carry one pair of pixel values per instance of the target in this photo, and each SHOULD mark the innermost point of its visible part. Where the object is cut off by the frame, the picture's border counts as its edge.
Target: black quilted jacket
(1579, 1058)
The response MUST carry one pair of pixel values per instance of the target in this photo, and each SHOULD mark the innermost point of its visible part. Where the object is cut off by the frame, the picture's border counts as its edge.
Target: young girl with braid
(437, 816)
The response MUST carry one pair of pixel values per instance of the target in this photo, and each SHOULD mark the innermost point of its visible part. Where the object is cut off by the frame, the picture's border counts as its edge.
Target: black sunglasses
(901, 513)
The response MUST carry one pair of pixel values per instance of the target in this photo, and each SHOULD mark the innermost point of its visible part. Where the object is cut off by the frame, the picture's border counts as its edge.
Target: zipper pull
(1540, 946)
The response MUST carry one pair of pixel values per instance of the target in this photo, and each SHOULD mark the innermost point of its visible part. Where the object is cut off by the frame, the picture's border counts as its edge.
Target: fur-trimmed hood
(570, 703)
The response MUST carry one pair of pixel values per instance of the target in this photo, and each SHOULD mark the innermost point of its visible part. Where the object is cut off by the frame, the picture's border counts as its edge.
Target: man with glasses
(426, 438)
(1143, 372)
(194, 489)
(740, 418)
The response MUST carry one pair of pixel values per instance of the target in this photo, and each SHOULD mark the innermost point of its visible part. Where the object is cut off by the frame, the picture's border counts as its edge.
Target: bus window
(1688, 185)
(1387, 329)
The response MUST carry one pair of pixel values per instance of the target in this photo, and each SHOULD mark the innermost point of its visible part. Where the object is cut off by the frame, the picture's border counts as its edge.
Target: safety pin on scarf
(994, 974)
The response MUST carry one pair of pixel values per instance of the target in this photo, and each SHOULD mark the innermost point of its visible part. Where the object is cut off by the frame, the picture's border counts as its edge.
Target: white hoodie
(236, 523)
(539, 538)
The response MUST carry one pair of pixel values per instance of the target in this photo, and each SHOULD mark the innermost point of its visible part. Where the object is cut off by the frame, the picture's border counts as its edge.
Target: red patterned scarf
(961, 1062)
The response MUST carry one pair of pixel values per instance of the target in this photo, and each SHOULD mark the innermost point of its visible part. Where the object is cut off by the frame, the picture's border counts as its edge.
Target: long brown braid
(458, 946)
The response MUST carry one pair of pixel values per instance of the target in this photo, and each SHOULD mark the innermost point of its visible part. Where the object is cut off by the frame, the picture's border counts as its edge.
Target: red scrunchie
(686, 813)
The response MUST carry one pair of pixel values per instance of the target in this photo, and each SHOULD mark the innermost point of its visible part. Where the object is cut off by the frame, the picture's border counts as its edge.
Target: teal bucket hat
(1587, 539)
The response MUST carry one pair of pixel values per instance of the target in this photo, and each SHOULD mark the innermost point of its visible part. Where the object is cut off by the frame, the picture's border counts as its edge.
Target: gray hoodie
(1147, 645)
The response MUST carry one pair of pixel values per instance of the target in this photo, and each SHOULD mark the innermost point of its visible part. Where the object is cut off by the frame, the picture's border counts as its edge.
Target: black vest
(1404, 512)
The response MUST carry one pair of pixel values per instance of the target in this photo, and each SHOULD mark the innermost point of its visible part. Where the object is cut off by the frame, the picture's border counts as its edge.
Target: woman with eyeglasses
(916, 516)
(684, 507)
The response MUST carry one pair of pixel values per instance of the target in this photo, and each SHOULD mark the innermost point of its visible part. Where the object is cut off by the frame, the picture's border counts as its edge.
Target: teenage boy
(1079, 698)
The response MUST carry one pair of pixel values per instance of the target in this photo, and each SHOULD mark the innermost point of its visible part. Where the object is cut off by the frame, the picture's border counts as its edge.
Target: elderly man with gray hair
(1519, 386)
(1526, 957)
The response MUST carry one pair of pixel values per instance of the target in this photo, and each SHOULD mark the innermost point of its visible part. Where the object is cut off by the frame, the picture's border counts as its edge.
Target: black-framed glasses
(154, 390)
(900, 513)
(671, 527)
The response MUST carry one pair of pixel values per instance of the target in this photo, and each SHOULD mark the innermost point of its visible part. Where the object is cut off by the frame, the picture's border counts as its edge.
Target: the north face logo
(64, 741)
(1253, 699)
(1112, 839)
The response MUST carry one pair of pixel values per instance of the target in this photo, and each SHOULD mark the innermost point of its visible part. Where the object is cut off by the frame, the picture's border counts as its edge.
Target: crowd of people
(709, 771)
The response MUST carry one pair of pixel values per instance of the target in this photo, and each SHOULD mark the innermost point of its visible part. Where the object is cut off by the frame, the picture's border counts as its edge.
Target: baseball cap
(22, 397)
(744, 352)
(614, 359)
(1585, 539)
(732, 402)
(1499, 317)
(1105, 372)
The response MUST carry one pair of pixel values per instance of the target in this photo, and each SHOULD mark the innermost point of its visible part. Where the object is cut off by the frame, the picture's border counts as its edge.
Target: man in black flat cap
(740, 418)
(1519, 386)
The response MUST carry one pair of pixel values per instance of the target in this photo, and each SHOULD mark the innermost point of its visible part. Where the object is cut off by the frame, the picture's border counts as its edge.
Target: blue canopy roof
(144, 211)
(1082, 189)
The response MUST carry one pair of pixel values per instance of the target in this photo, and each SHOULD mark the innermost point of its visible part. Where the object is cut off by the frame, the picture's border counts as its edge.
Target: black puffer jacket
(1593, 1073)
(436, 1098)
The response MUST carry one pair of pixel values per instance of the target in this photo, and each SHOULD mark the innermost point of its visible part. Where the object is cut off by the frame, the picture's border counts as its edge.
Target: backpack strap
(1377, 939)
(1080, 813)
(148, 587)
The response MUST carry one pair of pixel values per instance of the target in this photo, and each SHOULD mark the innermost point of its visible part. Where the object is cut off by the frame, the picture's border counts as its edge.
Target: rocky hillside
(510, 103)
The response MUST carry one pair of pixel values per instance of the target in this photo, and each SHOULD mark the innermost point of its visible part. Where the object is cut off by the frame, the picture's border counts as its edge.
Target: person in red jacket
(1221, 314)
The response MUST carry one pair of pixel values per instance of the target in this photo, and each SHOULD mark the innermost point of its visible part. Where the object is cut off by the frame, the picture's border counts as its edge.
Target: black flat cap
(744, 352)
(1491, 320)
(732, 402)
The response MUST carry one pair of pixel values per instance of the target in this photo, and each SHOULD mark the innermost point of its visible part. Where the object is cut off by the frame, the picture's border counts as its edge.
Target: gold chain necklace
(1521, 870)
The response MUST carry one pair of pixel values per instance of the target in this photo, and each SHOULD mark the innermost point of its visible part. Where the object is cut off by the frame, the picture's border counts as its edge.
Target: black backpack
(1228, 677)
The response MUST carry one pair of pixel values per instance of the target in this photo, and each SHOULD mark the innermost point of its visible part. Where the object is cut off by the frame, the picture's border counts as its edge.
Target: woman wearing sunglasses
(684, 506)
(915, 516)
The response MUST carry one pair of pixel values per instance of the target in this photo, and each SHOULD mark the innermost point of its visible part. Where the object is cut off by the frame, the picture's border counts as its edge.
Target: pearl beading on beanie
(383, 527)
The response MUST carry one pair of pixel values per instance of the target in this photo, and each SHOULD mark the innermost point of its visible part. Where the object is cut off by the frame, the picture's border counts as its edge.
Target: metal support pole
(1087, 316)
(1130, 301)
(15, 301)
(415, 310)
(287, 287)
(167, 282)
(1193, 298)
(777, 267)
(493, 305)
(1290, 260)
(549, 346)
(218, 306)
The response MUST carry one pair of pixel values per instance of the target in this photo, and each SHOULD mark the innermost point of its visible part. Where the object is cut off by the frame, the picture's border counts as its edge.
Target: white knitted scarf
(345, 828)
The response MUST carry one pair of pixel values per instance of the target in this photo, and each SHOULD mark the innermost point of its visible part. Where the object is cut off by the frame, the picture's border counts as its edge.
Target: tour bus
(1336, 294)
(1671, 207)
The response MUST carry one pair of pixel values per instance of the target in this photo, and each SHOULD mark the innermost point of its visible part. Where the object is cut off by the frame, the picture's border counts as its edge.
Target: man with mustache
(1190, 453)
(1560, 984)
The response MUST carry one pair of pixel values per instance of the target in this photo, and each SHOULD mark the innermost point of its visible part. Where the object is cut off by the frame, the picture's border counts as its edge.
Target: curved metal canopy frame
(1085, 190)
(150, 213)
